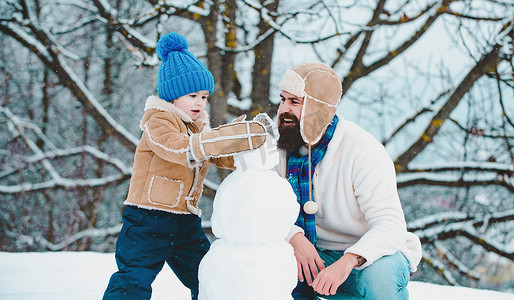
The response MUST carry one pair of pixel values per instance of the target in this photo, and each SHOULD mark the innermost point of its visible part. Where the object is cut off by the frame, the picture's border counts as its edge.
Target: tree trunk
(263, 53)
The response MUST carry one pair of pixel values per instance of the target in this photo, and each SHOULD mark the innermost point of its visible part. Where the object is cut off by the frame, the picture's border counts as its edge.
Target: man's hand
(328, 280)
(307, 258)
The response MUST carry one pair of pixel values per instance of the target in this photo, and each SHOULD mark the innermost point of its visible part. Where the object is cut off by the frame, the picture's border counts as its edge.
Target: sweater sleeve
(294, 230)
(165, 139)
(374, 183)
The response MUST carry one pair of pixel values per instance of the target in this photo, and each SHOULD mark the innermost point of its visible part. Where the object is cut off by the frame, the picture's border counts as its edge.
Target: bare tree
(75, 75)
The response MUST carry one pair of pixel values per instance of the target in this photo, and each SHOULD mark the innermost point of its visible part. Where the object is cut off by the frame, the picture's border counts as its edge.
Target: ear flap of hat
(316, 116)
(322, 93)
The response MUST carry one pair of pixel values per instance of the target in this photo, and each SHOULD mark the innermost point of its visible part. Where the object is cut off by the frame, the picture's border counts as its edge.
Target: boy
(161, 221)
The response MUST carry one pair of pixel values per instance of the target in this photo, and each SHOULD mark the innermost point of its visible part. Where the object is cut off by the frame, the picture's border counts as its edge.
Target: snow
(84, 275)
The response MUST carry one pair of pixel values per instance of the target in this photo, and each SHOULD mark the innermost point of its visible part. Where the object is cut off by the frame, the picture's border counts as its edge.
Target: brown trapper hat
(321, 90)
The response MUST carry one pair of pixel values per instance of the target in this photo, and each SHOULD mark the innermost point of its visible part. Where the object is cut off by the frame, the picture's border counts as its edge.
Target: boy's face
(192, 104)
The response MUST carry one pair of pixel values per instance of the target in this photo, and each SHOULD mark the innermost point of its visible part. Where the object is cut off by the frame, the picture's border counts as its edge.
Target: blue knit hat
(180, 73)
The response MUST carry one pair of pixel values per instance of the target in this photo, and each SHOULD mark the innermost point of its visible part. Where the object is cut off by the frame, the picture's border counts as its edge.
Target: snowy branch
(64, 183)
(88, 233)
(450, 225)
(17, 126)
(110, 15)
(465, 174)
(459, 217)
(44, 47)
(499, 168)
(450, 259)
(440, 268)
(10, 28)
(59, 153)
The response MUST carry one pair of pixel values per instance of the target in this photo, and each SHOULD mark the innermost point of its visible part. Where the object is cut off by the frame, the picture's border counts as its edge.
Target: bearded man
(350, 239)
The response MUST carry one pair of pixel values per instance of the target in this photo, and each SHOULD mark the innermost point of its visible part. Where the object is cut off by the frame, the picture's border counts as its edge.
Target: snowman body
(254, 210)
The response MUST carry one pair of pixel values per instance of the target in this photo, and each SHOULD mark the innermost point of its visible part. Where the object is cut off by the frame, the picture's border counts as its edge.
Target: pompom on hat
(180, 72)
(321, 90)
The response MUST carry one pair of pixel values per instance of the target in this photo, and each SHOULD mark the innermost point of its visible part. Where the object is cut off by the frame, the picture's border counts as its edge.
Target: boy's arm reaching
(227, 140)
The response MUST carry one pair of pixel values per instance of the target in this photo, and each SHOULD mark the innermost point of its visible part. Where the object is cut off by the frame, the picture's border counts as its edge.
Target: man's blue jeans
(386, 278)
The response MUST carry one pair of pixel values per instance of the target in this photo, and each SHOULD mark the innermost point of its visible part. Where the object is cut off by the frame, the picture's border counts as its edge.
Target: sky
(84, 275)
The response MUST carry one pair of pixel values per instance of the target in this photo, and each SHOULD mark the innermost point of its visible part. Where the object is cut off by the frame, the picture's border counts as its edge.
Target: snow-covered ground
(84, 275)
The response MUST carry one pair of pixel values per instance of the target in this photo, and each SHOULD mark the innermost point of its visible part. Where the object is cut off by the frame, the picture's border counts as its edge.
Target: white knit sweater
(359, 208)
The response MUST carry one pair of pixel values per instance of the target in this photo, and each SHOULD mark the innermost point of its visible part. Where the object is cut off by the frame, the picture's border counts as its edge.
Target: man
(350, 240)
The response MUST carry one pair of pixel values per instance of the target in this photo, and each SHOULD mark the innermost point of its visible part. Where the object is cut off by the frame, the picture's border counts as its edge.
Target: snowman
(254, 209)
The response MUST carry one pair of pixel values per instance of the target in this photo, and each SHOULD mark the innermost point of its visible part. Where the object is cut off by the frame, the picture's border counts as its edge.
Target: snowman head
(266, 156)
(263, 158)
(254, 205)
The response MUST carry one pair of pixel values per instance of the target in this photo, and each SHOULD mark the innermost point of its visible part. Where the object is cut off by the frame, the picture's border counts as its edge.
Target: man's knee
(387, 278)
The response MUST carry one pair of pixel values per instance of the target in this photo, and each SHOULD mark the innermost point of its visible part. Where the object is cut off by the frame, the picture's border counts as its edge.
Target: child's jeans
(386, 278)
(149, 238)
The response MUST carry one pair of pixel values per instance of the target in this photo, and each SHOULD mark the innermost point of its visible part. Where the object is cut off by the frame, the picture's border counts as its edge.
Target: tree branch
(457, 181)
(450, 225)
(454, 262)
(359, 70)
(111, 16)
(50, 55)
(57, 181)
(440, 268)
(488, 62)
(88, 233)
(413, 118)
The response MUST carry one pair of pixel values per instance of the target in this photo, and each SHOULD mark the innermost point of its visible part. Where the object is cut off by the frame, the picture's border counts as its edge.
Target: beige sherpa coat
(163, 177)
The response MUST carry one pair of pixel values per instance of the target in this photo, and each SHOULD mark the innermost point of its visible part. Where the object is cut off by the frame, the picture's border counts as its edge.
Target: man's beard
(290, 137)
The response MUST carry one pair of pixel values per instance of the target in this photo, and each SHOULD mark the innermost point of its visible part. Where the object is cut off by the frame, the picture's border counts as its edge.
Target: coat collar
(154, 102)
